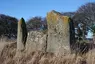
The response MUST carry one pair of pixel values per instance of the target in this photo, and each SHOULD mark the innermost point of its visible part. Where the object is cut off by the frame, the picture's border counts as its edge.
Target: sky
(31, 8)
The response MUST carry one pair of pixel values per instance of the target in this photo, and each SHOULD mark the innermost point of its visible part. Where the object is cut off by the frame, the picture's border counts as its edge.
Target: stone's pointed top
(22, 19)
(54, 16)
(55, 12)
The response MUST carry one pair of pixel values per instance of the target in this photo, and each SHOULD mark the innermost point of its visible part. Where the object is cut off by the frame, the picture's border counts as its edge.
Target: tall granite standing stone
(58, 33)
(21, 35)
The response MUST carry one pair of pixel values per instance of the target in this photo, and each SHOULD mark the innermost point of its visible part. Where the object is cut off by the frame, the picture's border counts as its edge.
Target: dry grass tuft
(9, 56)
(8, 53)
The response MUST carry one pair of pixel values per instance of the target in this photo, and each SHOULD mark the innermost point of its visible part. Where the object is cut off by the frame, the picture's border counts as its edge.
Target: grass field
(10, 56)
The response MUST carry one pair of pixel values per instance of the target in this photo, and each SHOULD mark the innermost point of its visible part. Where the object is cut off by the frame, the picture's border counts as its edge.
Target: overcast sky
(31, 8)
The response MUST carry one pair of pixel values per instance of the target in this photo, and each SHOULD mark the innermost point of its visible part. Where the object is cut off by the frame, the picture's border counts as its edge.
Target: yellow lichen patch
(52, 17)
(65, 19)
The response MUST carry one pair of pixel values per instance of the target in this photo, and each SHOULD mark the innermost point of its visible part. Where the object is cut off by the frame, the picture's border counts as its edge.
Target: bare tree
(8, 26)
(85, 15)
(34, 23)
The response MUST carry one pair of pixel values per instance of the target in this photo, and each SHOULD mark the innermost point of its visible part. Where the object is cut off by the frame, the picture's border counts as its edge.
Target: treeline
(8, 26)
(36, 23)
(84, 20)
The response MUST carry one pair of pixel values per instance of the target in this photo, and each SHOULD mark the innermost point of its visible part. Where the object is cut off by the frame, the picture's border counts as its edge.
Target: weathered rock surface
(58, 40)
(21, 35)
(36, 41)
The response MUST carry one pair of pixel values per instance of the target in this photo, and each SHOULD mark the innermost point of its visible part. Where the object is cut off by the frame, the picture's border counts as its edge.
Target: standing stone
(36, 41)
(58, 33)
(21, 35)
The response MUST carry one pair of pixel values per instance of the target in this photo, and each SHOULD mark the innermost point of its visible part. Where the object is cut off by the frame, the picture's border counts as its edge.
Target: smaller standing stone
(36, 41)
(21, 35)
